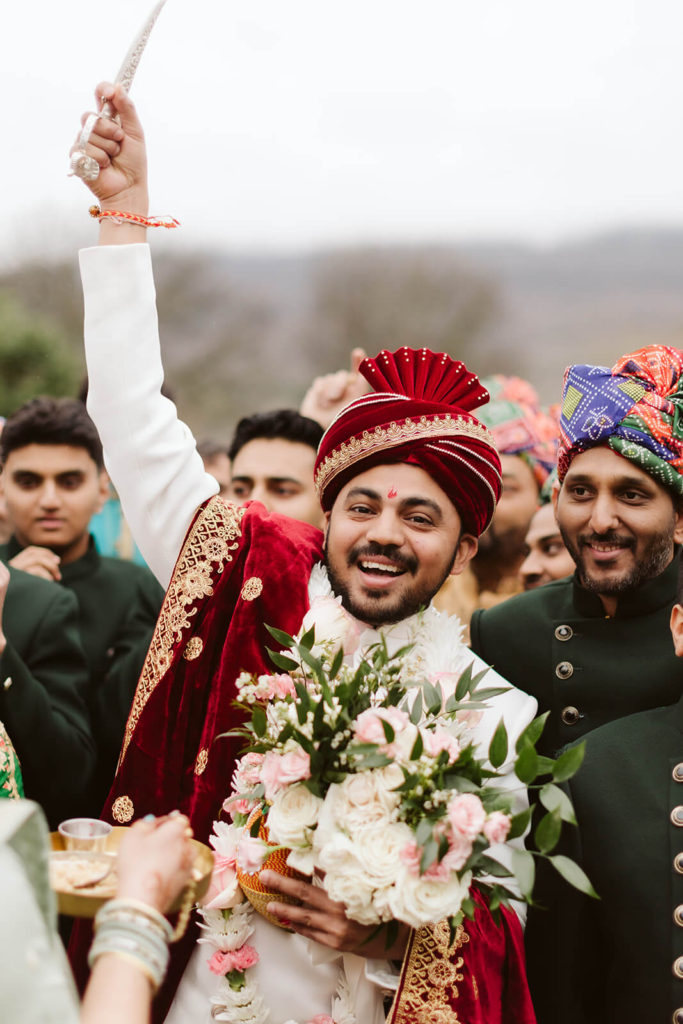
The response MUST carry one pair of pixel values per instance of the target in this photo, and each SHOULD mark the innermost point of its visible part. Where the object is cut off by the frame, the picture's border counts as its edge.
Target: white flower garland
(438, 648)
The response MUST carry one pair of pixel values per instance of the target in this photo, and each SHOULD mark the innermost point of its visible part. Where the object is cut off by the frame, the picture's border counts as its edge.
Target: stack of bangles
(135, 932)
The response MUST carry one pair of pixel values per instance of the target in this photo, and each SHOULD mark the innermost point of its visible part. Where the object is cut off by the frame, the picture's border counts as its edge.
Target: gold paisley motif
(212, 537)
(193, 648)
(396, 433)
(252, 589)
(201, 762)
(122, 809)
(429, 977)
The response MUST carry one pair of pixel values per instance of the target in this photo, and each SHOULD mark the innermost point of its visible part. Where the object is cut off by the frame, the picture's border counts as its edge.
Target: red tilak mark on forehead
(392, 492)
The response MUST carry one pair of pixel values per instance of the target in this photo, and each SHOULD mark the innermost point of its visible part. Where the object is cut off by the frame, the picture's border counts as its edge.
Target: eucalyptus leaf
(498, 747)
(525, 871)
(569, 763)
(282, 638)
(548, 831)
(554, 798)
(526, 765)
(282, 660)
(532, 733)
(573, 874)
(259, 721)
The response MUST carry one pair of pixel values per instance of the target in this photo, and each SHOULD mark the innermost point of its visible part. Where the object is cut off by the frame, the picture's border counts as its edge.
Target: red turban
(419, 413)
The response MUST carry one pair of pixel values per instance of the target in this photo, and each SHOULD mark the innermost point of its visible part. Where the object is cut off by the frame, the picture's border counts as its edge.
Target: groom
(408, 479)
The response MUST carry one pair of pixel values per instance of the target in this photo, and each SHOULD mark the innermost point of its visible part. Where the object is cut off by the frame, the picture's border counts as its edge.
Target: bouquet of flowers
(369, 774)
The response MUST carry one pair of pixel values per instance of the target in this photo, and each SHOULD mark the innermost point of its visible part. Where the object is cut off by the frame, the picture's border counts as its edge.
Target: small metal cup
(84, 833)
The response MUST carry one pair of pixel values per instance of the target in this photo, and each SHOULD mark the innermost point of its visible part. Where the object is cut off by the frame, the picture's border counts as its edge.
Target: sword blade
(126, 72)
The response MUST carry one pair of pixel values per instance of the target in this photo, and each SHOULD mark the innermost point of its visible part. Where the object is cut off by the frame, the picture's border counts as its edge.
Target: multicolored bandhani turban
(520, 426)
(420, 413)
(636, 408)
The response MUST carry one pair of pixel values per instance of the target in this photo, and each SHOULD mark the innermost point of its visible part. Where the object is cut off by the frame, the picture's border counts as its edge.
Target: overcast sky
(289, 124)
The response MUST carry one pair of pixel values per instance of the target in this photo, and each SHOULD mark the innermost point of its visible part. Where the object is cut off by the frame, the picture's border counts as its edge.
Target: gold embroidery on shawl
(202, 761)
(122, 809)
(430, 978)
(252, 589)
(207, 548)
(475, 988)
(362, 445)
(8, 763)
(193, 648)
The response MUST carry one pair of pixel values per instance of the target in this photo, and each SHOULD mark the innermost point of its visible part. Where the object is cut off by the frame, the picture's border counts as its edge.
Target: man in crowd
(619, 512)
(621, 958)
(526, 437)
(407, 478)
(43, 691)
(216, 462)
(53, 481)
(272, 455)
(545, 556)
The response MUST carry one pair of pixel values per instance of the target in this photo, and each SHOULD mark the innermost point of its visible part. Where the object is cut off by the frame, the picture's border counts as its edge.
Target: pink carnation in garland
(224, 961)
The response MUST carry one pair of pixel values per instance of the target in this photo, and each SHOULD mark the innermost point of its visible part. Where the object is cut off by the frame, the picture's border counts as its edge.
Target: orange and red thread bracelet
(120, 217)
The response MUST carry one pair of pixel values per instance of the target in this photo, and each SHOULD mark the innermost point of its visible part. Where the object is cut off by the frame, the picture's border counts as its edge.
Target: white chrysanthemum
(239, 1006)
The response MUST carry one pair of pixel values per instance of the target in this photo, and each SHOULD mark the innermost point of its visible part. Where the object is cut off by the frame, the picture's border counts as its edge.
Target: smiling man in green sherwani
(53, 482)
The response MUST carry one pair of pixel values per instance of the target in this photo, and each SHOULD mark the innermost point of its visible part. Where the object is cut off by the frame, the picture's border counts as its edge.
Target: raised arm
(150, 454)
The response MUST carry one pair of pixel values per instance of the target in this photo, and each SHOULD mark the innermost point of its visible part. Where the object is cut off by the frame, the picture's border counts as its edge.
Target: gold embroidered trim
(207, 548)
(193, 648)
(9, 763)
(430, 977)
(397, 433)
(252, 589)
(122, 809)
(202, 761)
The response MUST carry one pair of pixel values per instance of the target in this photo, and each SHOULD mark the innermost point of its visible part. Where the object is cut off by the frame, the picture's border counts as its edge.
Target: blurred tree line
(246, 334)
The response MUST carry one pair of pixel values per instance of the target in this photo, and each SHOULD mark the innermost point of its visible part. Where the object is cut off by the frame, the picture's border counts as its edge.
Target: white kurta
(152, 459)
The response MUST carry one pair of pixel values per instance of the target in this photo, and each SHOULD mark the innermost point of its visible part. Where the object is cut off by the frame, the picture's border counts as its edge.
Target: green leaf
(468, 907)
(418, 747)
(284, 639)
(548, 831)
(532, 733)
(281, 660)
(433, 698)
(416, 710)
(464, 684)
(308, 639)
(569, 763)
(526, 765)
(259, 721)
(389, 732)
(490, 866)
(488, 692)
(498, 747)
(423, 832)
(553, 798)
(573, 874)
(337, 663)
(429, 854)
(525, 871)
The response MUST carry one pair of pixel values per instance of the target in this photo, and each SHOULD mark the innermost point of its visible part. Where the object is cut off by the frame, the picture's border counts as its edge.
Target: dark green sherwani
(118, 605)
(43, 686)
(586, 668)
(621, 958)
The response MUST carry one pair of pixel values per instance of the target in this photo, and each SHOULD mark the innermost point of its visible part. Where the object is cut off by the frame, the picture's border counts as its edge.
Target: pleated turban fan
(420, 412)
(636, 408)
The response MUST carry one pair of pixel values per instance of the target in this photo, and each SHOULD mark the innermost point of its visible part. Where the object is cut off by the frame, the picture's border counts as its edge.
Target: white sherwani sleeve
(149, 453)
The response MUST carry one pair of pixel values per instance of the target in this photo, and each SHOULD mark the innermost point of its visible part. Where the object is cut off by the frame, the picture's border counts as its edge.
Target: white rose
(379, 852)
(352, 888)
(362, 801)
(293, 815)
(334, 627)
(419, 901)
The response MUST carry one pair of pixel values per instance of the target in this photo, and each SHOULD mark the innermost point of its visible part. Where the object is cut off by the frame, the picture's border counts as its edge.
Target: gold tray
(86, 902)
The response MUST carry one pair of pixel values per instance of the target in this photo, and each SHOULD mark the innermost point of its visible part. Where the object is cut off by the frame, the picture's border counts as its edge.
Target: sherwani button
(564, 670)
(677, 1016)
(677, 967)
(678, 915)
(678, 863)
(571, 715)
(564, 633)
(7, 683)
(678, 772)
(677, 817)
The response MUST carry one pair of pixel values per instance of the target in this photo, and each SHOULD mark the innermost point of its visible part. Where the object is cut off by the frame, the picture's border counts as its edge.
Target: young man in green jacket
(53, 482)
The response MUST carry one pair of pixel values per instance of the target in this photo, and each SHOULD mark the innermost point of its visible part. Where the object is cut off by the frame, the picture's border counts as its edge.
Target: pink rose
(440, 739)
(282, 685)
(247, 772)
(281, 770)
(496, 827)
(467, 815)
(368, 726)
(234, 806)
(459, 850)
(251, 854)
(224, 961)
(322, 1018)
(469, 718)
(410, 856)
